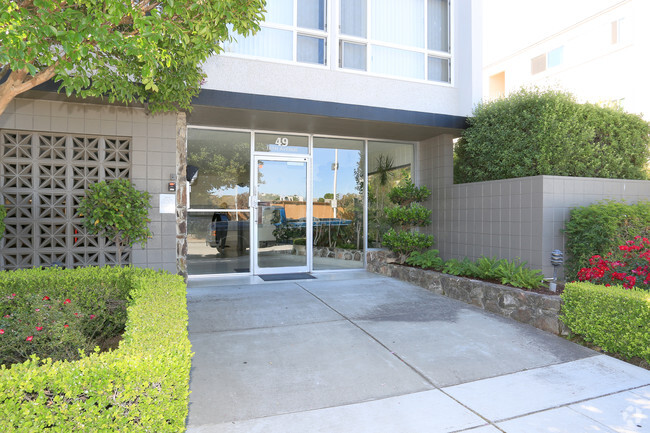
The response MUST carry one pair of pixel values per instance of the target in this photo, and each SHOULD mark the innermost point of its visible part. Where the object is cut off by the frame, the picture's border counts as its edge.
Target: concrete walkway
(355, 352)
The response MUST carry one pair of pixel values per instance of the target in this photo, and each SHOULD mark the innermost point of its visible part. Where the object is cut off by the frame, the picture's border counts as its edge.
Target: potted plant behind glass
(300, 246)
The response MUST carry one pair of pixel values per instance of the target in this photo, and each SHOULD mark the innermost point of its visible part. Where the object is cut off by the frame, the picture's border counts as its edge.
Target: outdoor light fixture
(191, 172)
(557, 258)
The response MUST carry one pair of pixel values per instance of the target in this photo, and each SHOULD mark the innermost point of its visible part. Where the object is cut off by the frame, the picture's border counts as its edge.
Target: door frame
(254, 209)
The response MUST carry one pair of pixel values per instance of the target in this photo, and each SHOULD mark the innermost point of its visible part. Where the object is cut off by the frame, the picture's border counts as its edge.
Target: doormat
(284, 277)
(242, 269)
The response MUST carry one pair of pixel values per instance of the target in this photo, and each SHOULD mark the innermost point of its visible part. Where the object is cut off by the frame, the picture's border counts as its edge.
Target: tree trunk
(20, 81)
(118, 244)
(5, 97)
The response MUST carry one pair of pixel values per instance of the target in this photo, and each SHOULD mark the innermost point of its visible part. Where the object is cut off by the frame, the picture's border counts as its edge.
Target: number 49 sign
(282, 141)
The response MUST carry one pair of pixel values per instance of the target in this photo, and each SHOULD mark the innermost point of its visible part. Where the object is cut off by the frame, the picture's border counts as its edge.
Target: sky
(511, 25)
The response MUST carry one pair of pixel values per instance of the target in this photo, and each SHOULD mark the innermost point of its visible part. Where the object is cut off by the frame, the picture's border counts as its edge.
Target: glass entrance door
(282, 210)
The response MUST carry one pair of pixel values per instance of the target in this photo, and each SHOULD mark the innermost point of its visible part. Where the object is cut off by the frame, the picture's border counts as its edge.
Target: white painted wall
(594, 69)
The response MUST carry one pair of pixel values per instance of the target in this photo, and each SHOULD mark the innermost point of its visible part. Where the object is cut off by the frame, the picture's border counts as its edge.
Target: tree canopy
(146, 51)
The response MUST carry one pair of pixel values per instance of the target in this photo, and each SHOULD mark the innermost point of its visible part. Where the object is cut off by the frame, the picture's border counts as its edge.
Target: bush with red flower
(141, 386)
(629, 266)
(58, 322)
(32, 324)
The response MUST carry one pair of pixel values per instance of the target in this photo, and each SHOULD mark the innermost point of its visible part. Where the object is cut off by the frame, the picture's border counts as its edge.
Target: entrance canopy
(237, 110)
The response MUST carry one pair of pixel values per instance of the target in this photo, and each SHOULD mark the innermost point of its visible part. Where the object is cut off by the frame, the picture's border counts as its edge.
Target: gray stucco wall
(153, 155)
(560, 194)
(513, 218)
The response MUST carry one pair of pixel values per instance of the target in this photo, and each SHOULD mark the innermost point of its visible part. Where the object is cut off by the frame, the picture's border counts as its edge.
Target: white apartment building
(602, 59)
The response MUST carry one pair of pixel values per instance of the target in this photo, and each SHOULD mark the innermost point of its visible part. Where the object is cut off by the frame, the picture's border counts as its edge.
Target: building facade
(601, 59)
(285, 161)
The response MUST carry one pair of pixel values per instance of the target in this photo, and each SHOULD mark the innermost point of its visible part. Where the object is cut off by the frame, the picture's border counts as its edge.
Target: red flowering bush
(42, 325)
(141, 386)
(629, 266)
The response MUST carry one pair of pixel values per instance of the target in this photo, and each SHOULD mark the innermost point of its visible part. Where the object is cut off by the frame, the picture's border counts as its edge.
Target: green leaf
(104, 55)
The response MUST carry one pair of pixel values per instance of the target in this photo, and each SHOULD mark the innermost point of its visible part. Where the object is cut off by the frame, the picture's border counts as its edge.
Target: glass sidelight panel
(338, 203)
(222, 163)
(218, 242)
(389, 163)
(218, 221)
(282, 215)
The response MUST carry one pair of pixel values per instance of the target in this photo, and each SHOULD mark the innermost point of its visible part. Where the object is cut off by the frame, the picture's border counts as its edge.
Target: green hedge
(141, 387)
(616, 319)
(600, 228)
(534, 132)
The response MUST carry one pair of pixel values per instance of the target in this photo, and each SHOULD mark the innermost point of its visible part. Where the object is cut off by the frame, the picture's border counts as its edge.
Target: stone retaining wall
(540, 311)
(338, 253)
(333, 253)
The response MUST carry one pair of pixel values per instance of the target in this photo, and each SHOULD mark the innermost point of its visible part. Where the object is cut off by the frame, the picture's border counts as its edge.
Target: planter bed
(538, 310)
(143, 386)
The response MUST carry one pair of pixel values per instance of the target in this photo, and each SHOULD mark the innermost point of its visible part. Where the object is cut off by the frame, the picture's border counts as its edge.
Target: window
(618, 31)
(389, 163)
(555, 57)
(538, 64)
(547, 60)
(293, 30)
(498, 85)
(409, 38)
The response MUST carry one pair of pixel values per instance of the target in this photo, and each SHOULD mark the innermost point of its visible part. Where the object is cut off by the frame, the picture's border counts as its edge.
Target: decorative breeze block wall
(43, 177)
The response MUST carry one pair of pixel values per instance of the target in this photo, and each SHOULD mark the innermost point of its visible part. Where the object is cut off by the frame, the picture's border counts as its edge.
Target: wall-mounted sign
(281, 143)
(167, 203)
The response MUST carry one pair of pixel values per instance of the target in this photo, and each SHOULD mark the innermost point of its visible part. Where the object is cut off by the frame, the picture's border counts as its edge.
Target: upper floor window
(406, 38)
(409, 38)
(618, 31)
(293, 30)
(555, 57)
(548, 60)
(538, 64)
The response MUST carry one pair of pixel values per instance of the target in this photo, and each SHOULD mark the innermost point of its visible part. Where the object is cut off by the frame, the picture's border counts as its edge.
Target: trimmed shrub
(600, 228)
(404, 217)
(616, 319)
(118, 211)
(404, 243)
(544, 132)
(141, 387)
(54, 315)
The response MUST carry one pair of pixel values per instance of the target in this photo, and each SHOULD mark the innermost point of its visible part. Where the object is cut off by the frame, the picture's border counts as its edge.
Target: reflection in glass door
(218, 221)
(282, 215)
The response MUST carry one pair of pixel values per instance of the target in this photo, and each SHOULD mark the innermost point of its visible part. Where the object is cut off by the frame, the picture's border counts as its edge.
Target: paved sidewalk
(353, 352)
